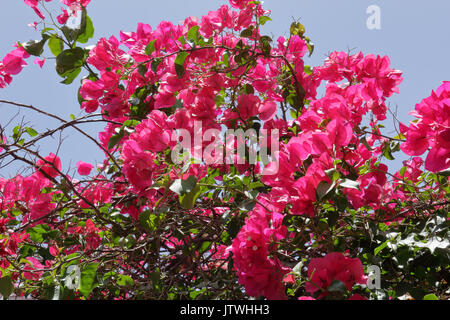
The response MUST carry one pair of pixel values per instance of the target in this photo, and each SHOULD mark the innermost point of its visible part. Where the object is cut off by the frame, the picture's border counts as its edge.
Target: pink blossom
(259, 274)
(334, 266)
(153, 134)
(31, 267)
(63, 17)
(14, 62)
(267, 110)
(50, 165)
(357, 296)
(84, 168)
(91, 90)
(306, 298)
(39, 62)
(248, 106)
(431, 130)
(41, 206)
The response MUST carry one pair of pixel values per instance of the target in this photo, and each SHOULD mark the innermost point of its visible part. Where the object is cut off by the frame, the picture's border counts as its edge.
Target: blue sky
(413, 33)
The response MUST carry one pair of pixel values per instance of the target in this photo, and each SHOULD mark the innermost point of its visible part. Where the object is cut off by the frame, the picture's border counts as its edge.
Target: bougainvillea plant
(305, 223)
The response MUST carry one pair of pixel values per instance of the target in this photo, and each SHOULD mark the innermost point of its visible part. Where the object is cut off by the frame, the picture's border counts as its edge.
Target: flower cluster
(254, 249)
(431, 131)
(142, 221)
(334, 266)
(12, 64)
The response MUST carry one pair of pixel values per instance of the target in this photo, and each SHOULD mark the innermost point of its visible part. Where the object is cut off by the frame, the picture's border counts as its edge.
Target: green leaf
(69, 63)
(6, 287)
(380, 247)
(194, 294)
(189, 184)
(69, 60)
(155, 63)
(56, 45)
(226, 60)
(445, 173)
(31, 132)
(192, 35)
(248, 88)
(88, 31)
(430, 296)
(264, 19)
(187, 201)
(400, 136)
(70, 76)
(182, 40)
(87, 279)
(35, 47)
(142, 70)
(297, 29)
(333, 174)
(72, 35)
(150, 48)
(366, 144)
(247, 33)
(205, 246)
(115, 139)
(323, 189)
(337, 286)
(347, 183)
(332, 218)
(125, 281)
(155, 276)
(45, 30)
(387, 152)
(182, 187)
(131, 123)
(38, 232)
(247, 205)
(179, 64)
(149, 221)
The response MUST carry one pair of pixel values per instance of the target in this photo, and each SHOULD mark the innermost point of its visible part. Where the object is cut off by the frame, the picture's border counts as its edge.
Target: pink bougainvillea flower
(267, 110)
(417, 142)
(14, 61)
(339, 133)
(53, 251)
(248, 106)
(33, 25)
(438, 159)
(41, 206)
(260, 274)
(90, 106)
(334, 266)
(63, 17)
(39, 62)
(33, 269)
(357, 297)
(2, 141)
(84, 168)
(153, 134)
(50, 165)
(91, 90)
(431, 130)
(69, 3)
(34, 5)
(306, 298)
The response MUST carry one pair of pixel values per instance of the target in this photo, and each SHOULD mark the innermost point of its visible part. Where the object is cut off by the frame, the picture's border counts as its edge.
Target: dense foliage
(307, 223)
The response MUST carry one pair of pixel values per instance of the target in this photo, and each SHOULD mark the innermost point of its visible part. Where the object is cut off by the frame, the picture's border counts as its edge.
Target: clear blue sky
(415, 35)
